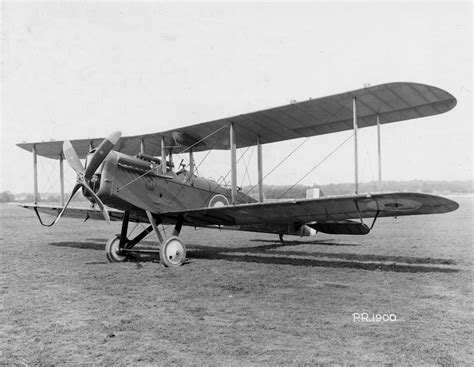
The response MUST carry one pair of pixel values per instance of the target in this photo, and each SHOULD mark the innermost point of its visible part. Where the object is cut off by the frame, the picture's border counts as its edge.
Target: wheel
(172, 252)
(112, 249)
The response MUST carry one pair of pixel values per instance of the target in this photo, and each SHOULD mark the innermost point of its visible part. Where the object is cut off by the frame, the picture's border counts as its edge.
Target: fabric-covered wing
(279, 216)
(321, 209)
(392, 102)
(75, 212)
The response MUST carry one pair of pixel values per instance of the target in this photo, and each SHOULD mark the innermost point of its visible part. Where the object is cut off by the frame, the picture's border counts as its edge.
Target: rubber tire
(180, 256)
(111, 249)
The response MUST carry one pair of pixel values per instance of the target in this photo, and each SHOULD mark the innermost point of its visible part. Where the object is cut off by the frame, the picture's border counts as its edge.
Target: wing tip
(451, 205)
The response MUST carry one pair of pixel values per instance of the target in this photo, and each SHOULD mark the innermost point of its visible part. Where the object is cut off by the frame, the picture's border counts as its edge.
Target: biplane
(134, 179)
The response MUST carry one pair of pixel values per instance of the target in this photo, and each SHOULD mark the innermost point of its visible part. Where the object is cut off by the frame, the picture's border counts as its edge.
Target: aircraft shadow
(366, 257)
(252, 254)
(313, 242)
(81, 245)
(97, 244)
(286, 260)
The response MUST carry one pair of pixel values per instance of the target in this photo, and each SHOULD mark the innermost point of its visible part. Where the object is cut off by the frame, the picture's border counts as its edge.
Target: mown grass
(241, 299)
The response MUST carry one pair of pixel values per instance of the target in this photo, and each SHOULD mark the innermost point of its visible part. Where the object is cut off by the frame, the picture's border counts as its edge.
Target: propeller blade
(74, 190)
(72, 158)
(104, 211)
(101, 152)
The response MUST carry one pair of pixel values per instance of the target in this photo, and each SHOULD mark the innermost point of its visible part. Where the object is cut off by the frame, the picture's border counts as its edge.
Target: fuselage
(134, 183)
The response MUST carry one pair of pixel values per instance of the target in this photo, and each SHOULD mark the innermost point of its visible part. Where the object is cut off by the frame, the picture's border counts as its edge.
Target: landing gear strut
(172, 250)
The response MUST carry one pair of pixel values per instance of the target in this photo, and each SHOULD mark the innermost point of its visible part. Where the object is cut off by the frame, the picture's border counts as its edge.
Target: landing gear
(112, 250)
(172, 250)
(120, 246)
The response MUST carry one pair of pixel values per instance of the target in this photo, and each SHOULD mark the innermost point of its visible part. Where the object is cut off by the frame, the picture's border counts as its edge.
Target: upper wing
(322, 209)
(392, 102)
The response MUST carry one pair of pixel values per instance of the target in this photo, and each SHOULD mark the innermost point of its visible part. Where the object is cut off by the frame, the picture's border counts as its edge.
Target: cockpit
(185, 175)
(182, 173)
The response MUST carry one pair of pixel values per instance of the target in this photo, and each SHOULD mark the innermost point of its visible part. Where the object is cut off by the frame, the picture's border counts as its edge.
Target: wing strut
(61, 177)
(35, 174)
(191, 162)
(379, 152)
(170, 157)
(260, 170)
(163, 155)
(356, 158)
(233, 163)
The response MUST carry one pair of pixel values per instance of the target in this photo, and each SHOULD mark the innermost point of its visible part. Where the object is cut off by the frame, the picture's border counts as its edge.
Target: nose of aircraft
(84, 175)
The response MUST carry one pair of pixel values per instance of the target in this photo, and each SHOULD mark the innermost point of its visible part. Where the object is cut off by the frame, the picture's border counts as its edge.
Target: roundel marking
(217, 201)
(394, 205)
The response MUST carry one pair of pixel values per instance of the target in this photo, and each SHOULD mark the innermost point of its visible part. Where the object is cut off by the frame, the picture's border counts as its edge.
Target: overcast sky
(78, 70)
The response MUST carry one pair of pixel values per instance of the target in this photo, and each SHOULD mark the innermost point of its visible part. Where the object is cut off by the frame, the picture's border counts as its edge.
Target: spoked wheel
(172, 252)
(112, 250)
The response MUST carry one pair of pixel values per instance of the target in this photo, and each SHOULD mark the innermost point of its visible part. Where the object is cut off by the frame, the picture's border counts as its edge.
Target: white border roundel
(217, 201)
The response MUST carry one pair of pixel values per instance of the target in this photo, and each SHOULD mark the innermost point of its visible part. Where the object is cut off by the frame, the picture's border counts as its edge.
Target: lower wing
(321, 210)
(327, 214)
(73, 212)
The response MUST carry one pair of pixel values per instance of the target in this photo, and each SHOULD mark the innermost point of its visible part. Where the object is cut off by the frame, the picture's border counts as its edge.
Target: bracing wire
(49, 186)
(203, 159)
(371, 171)
(246, 164)
(189, 147)
(280, 163)
(318, 164)
(369, 163)
(224, 177)
(207, 136)
(197, 167)
(238, 160)
(304, 141)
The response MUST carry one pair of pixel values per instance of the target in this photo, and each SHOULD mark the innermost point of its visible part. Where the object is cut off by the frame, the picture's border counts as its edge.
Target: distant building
(314, 193)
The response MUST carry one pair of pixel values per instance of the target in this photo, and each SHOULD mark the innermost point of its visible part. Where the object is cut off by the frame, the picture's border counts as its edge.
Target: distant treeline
(299, 191)
(428, 187)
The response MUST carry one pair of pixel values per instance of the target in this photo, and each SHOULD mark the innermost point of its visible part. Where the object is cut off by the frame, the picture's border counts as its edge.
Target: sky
(76, 70)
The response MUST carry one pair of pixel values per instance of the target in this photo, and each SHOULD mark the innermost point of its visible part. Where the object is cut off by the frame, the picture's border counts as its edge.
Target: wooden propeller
(84, 175)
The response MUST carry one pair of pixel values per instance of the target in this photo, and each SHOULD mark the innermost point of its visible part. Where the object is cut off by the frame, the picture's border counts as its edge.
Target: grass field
(241, 298)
